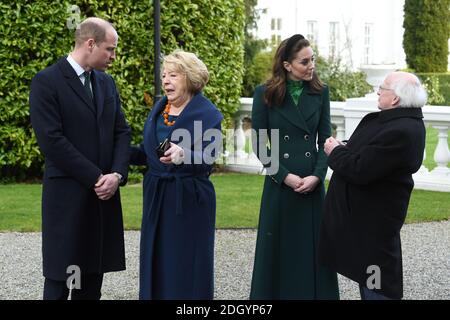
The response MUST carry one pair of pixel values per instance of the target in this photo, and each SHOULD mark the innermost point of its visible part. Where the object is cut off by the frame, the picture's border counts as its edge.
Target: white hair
(410, 91)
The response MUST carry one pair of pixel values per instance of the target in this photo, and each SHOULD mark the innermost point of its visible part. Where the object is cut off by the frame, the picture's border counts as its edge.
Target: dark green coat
(285, 259)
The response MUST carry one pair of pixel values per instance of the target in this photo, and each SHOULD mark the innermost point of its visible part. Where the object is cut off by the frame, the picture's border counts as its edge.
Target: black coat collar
(399, 112)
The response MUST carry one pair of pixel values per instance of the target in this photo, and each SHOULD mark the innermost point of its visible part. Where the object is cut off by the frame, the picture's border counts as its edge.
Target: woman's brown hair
(276, 85)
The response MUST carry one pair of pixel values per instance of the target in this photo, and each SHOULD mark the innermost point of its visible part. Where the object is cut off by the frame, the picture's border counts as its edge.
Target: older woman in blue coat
(178, 222)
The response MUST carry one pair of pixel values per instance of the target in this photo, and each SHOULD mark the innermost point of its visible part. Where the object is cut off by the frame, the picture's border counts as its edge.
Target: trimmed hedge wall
(36, 33)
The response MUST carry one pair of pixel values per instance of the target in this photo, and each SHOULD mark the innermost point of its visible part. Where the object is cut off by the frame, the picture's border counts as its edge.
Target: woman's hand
(309, 183)
(293, 181)
(174, 154)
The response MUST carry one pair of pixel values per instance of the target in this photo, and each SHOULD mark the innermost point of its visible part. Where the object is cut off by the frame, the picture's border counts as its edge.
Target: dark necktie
(87, 83)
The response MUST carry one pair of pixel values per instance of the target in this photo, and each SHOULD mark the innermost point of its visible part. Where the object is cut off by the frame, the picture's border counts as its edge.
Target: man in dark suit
(369, 192)
(76, 115)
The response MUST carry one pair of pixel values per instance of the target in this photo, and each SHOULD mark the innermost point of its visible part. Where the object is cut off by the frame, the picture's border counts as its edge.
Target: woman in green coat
(295, 104)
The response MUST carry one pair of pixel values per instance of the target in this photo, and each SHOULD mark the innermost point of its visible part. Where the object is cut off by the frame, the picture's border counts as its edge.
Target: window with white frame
(312, 32)
(275, 26)
(334, 40)
(368, 43)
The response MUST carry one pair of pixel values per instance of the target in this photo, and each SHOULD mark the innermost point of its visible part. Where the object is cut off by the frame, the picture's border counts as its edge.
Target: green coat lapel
(308, 103)
(292, 113)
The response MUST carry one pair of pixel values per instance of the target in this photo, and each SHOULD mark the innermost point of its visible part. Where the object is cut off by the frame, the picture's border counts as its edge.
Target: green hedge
(36, 33)
(427, 30)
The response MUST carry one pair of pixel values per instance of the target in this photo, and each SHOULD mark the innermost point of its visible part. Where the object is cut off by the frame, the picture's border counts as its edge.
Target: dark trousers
(367, 294)
(91, 285)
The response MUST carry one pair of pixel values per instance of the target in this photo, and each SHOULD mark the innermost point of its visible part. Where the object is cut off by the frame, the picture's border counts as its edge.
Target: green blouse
(295, 89)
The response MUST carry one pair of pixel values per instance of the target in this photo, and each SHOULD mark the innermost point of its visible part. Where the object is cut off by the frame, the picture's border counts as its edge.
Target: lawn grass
(238, 201)
(20, 207)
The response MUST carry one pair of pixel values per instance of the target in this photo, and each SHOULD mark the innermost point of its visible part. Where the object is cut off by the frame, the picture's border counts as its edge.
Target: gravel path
(426, 263)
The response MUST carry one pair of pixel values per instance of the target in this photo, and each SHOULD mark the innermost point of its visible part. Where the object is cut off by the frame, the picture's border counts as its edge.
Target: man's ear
(90, 43)
(395, 101)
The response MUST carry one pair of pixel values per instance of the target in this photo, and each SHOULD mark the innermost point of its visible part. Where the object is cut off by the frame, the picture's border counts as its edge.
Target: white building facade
(359, 32)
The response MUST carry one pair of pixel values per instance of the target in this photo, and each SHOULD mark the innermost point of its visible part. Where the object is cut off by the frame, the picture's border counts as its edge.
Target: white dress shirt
(78, 69)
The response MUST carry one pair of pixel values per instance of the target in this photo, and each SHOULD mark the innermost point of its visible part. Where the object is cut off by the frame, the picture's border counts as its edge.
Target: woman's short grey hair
(188, 63)
(411, 92)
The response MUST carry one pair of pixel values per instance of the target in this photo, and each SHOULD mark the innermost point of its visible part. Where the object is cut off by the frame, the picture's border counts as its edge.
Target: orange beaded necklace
(166, 116)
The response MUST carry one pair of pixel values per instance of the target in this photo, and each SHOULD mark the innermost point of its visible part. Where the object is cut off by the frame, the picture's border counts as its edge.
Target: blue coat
(80, 139)
(178, 222)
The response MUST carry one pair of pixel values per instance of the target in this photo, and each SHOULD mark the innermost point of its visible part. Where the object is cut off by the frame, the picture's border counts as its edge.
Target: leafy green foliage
(36, 33)
(252, 49)
(427, 30)
(25, 49)
(342, 82)
(438, 87)
(431, 84)
(257, 72)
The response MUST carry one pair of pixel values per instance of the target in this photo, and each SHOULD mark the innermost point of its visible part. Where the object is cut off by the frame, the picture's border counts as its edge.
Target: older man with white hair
(367, 199)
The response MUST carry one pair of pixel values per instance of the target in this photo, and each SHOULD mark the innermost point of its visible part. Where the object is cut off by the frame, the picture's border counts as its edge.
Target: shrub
(343, 83)
(257, 72)
(33, 37)
(439, 87)
(427, 30)
(431, 84)
(252, 47)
